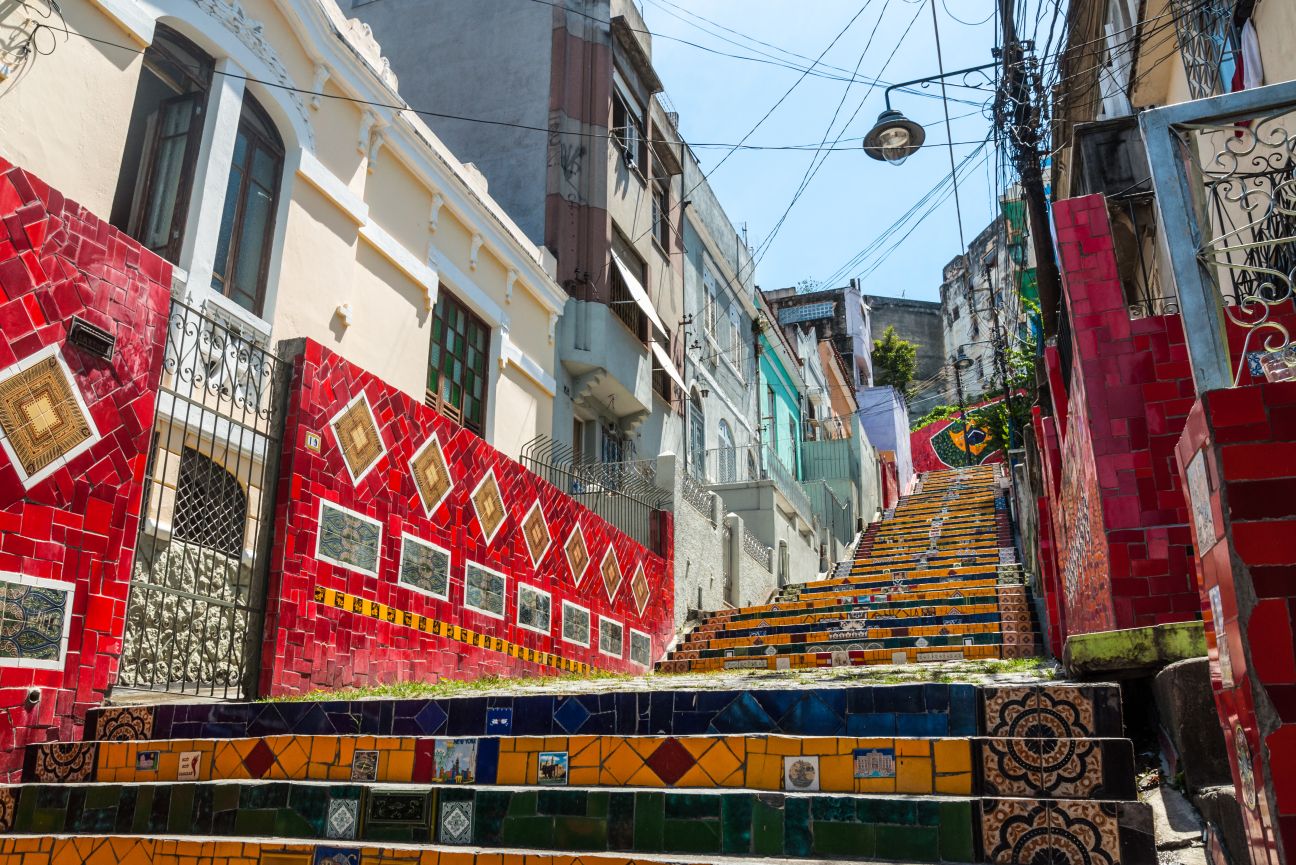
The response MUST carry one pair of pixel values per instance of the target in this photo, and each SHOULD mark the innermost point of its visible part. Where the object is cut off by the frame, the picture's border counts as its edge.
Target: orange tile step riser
(855, 589)
(924, 766)
(862, 634)
(864, 658)
(873, 614)
(981, 588)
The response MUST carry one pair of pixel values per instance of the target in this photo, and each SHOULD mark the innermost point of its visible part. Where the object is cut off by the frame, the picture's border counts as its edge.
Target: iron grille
(1205, 33)
(197, 593)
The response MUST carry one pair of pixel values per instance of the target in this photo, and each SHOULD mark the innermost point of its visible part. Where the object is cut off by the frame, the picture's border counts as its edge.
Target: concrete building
(918, 322)
(836, 314)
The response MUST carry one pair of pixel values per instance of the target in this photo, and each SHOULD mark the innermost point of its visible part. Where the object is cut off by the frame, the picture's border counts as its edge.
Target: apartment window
(697, 437)
(621, 300)
(151, 202)
(614, 447)
(711, 301)
(956, 312)
(661, 211)
(457, 373)
(735, 336)
(773, 415)
(661, 380)
(247, 224)
(628, 125)
(728, 454)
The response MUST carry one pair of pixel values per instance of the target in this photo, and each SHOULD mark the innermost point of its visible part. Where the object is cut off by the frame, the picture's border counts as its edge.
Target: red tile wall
(310, 645)
(1120, 527)
(78, 526)
(1247, 438)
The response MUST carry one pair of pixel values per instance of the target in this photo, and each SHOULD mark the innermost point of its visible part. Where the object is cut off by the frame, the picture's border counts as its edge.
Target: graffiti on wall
(956, 443)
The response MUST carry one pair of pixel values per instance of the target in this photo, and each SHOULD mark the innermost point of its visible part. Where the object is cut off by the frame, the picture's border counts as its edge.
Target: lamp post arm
(887, 93)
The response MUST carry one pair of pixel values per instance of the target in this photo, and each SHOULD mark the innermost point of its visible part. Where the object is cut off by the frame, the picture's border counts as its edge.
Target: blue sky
(852, 200)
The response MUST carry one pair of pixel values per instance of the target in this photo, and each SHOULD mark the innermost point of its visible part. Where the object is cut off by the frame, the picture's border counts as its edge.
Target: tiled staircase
(936, 580)
(619, 774)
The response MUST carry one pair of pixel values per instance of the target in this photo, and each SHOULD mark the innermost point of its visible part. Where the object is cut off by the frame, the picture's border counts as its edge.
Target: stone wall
(409, 549)
(76, 430)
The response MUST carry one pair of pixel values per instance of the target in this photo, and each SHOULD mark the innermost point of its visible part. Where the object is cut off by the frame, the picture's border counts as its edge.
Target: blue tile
(871, 724)
(933, 724)
(899, 698)
(571, 715)
(937, 697)
(860, 700)
(431, 719)
(467, 716)
(743, 715)
(487, 760)
(811, 717)
(777, 703)
(691, 723)
(532, 716)
(499, 721)
(627, 714)
(965, 720)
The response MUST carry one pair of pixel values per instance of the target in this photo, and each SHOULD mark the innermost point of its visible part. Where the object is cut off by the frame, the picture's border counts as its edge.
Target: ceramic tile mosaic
(348, 539)
(611, 637)
(575, 624)
(610, 569)
(343, 819)
(534, 609)
(74, 432)
(456, 822)
(357, 437)
(444, 486)
(425, 567)
(640, 648)
(43, 416)
(431, 475)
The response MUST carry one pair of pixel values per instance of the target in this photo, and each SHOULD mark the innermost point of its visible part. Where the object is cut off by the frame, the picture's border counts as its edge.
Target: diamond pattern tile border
(489, 505)
(357, 437)
(431, 474)
(536, 531)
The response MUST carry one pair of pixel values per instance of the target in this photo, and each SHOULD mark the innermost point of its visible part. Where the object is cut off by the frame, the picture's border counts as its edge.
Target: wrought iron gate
(197, 592)
(1224, 174)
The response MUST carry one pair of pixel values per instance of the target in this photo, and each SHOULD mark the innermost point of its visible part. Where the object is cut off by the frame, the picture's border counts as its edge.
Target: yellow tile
(820, 745)
(764, 772)
(837, 773)
(912, 748)
(644, 746)
(719, 762)
(645, 777)
(400, 767)
(292, 759)
(226, 763)
(875, 785)
(913, 775)
(695, 778)
(587, 776)
(513, 769)
(620, 763)
(783, 746)
(556, 743)
(952, 755)
(956, 785)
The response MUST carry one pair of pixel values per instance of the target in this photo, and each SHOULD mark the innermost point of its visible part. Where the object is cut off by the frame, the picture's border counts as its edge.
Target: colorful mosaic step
(1059, 768)
(932, 709)
(792, 825)
(942, 545)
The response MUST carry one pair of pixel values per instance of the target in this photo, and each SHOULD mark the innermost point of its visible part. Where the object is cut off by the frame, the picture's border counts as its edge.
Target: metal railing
(623, 493)
(836, 518)
(763, 555)
(698, 496)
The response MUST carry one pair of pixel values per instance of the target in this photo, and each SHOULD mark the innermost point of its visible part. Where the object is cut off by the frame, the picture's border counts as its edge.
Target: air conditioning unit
(1109, 158)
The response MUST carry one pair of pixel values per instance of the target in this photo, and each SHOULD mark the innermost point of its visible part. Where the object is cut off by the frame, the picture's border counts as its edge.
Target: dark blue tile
(899, 698)
(661, 717)
(467, 716)
(743, 715)
(692, 723)
(871, 724)
(811, 717)
(937, 697)
(571, 715)
(932, 724)
(533, 716)
(860, 700)
(627, 714)
(430, 719)
(487, 760)
(965, 718)
(499, 720)
(776, 703)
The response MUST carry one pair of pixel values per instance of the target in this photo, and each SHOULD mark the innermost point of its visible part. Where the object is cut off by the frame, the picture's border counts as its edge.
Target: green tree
(894, 361)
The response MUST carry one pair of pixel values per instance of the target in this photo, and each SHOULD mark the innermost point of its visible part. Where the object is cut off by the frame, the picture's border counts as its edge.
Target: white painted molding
(553, 327)
(131, 17)
(331, 187)
(508, 285)
(404, 260)
(467, 291)
(477, 241)
(367, 122)
(322, 73)
(376, 137)
(510, 354)
(438, 201)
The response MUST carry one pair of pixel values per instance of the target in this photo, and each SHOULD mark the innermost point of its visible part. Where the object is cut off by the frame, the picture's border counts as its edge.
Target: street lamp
(894, 138)
(961, 363)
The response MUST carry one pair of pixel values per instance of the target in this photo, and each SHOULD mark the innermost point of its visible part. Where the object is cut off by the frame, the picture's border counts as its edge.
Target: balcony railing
(738, 465)
(623, 493)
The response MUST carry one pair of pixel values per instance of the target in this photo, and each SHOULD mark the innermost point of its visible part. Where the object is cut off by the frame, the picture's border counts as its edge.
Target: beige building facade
(262, 147)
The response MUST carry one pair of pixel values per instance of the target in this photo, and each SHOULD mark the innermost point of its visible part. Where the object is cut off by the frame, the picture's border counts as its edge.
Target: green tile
(580, 833)
(648, 821)
(180, 814)
(290, 824)
(225, 797)
(489, 815)
(536, 832)
(690, 806)
(597, 804)
(562, 803)
(956, 844)
(102, 796)
(836, 809)
(896, 812)
(736, 823)
(797, 840)
(26, 810)
(621, 821)
(852, 840)
(143, 808)
(691, 836)
(523, 804)
(767, 825)
(249, 822)
(910, 843)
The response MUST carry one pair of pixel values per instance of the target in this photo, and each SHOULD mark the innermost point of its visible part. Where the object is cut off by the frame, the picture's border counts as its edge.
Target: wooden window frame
(433, 396)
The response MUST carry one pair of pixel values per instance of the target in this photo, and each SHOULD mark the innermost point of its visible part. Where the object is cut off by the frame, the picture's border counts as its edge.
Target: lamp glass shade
(893, 138)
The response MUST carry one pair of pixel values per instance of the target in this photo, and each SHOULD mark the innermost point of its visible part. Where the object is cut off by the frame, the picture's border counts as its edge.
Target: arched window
(151, 202)
(697, 437)
(210, 507)
(251, 197)
(728, 454)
